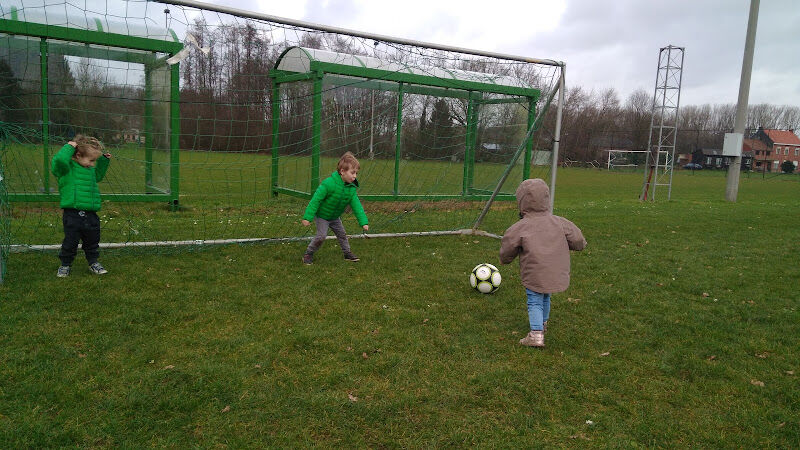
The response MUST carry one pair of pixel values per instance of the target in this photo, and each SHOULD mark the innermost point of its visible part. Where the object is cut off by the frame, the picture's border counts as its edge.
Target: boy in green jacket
(78, 167)
(327, 204)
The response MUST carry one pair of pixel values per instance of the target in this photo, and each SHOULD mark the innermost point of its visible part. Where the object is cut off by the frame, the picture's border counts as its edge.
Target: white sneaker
(63, 271)
(97, 268)
(533, 339)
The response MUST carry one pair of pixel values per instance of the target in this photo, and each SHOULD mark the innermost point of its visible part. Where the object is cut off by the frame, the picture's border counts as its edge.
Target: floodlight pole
(732, 180)
(663, 123)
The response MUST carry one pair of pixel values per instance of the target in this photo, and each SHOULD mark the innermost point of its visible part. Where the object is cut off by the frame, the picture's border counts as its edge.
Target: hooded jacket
(541, 239)
(331, 198)
(77, 185)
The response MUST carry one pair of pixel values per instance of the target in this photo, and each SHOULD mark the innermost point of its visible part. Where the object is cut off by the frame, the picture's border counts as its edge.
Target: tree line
(594, 121)
(226, 100)
(82, 97)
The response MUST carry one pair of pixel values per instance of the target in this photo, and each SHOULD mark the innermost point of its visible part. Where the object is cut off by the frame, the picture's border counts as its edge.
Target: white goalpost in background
(619, 158)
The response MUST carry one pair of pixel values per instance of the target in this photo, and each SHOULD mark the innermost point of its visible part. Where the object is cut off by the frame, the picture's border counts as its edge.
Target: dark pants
(322, 232)
(80, 226)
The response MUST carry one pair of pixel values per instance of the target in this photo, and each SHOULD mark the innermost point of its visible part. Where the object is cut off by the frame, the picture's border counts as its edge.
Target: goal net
(218, 137)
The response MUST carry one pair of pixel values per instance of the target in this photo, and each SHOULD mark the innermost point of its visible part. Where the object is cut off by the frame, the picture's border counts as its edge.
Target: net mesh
(225, 161)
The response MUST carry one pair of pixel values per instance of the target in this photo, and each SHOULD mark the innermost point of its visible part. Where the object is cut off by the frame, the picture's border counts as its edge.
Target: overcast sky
(604, 44)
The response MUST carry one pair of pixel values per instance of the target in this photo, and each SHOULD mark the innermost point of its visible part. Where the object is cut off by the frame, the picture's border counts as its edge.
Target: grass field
(679, 330)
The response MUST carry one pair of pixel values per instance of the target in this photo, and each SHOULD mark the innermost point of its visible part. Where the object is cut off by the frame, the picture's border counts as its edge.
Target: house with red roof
(762, 155)
(782, 145)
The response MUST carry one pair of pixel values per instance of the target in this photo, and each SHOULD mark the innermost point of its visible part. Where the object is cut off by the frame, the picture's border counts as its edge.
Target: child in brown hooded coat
(542, 241)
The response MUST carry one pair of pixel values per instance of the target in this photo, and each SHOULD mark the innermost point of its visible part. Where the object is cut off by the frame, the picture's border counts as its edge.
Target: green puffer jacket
(332, 197)
(77, 185)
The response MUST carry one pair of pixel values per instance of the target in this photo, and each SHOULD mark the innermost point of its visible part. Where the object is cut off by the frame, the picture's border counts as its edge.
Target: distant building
(782, 145)
(538, 157)
(712, 158)
(129, 135)
(762, 155)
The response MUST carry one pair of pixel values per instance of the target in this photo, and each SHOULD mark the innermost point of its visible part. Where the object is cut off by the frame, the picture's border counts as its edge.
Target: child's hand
(73, 144)
(305, 222)
(107, 155)
(365, 227)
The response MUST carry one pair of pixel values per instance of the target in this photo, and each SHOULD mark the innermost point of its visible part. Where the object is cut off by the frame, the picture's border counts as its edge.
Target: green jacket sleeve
(358, 210)
(101, 167)
(60, 164)
(316, 199)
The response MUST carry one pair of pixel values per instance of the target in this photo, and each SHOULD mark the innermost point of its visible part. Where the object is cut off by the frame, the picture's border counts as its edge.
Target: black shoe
(349, 256)
(308, 259)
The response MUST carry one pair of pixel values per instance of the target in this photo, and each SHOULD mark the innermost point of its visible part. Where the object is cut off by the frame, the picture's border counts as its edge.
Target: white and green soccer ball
(485, 278)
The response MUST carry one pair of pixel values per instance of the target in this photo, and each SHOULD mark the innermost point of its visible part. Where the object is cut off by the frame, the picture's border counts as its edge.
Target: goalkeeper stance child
(543, 242)
(79, 165)
(328, 203)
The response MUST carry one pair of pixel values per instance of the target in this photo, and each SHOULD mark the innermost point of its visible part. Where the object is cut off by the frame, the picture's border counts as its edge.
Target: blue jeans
(538, 309)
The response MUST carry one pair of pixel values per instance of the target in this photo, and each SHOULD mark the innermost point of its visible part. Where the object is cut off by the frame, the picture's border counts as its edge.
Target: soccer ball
(485, 278)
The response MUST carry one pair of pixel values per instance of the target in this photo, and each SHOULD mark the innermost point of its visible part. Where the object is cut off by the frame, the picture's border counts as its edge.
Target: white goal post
(618, 158)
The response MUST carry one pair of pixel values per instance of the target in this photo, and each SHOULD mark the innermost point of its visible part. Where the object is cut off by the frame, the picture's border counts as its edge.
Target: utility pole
(732, 185)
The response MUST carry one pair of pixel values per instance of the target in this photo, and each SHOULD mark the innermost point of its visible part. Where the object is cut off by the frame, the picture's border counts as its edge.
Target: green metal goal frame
(112, 46)
(401, 82)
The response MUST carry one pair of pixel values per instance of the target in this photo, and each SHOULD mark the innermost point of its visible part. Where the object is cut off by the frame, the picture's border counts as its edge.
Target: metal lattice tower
(660, 156)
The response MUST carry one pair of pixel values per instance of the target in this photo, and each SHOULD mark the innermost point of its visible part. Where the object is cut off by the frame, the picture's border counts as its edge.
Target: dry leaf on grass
(763, 355)
(352, 397)
(605, 353)
(226, 408)
(757, 383)
(364, 355)
(169, 367)
(712, 357)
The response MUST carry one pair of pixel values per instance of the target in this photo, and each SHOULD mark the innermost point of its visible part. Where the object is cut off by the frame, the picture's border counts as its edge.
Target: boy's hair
(347, 161)
(88, 146)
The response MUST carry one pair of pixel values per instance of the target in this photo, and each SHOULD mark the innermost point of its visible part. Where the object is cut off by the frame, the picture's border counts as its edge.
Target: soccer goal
(628, 159)
(222, 122)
